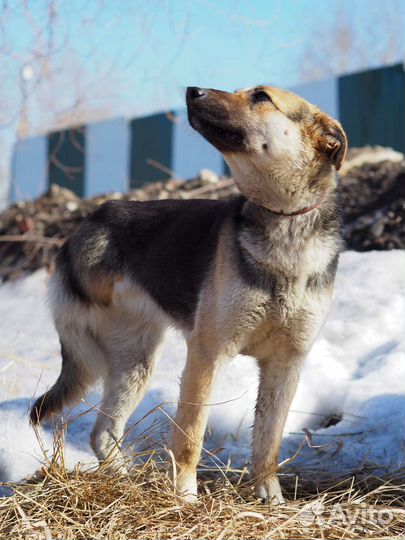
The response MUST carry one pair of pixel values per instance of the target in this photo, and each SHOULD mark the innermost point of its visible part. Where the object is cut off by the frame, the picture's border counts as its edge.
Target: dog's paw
(186, 489)
(269, 490)
(115, 466)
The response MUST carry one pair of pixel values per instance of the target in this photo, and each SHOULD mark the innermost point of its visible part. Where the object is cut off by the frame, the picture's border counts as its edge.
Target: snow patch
(355, 370)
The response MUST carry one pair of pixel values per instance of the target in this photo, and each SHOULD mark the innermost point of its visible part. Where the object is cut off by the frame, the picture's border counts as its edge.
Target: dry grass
(58, 503)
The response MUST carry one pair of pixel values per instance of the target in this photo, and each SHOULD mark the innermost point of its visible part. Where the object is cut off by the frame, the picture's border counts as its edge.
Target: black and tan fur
(253, 274)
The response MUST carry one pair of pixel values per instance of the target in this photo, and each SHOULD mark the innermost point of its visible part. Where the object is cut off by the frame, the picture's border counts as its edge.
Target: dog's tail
(70, 386)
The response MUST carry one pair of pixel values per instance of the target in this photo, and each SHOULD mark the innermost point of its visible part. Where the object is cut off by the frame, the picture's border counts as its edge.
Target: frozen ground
(356, 370)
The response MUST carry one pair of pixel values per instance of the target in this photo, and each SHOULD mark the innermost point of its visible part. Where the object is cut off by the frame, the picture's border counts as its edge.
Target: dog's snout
(193, 92)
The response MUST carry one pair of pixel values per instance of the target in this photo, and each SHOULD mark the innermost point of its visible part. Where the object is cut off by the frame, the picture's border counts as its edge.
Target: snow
(356, 369)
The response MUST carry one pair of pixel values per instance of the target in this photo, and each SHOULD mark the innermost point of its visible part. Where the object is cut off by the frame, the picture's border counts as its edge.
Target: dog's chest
(283, 278)
(284, 298)
(288, 307)
(290, 317)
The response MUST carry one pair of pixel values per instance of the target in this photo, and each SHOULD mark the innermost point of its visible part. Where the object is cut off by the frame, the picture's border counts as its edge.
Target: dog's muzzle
(210, 113)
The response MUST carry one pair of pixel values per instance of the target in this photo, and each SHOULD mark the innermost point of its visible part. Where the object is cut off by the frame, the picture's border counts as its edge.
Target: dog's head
(281, 149)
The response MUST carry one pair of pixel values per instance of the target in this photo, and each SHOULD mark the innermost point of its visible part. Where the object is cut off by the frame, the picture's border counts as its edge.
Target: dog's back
(164, 246)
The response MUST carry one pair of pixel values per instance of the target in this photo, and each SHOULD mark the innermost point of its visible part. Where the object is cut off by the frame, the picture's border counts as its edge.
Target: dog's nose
(193, 92)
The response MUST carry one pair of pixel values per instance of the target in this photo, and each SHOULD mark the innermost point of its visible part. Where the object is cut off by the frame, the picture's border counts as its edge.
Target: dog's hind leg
(131, 353)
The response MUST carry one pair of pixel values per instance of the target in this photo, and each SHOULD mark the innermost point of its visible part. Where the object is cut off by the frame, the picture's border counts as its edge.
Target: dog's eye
(260, 96)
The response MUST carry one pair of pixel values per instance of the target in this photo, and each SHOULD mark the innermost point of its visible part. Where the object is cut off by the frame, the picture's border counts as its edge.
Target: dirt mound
(32, 231)
(372, 196)
(373, 204)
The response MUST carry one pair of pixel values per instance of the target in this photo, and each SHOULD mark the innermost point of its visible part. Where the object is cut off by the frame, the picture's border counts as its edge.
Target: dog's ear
(331, 139)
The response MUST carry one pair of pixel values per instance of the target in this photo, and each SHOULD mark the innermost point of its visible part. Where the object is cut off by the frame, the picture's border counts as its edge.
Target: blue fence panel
(191, 152)
(324, 94)
(107, 157)
(29, 169)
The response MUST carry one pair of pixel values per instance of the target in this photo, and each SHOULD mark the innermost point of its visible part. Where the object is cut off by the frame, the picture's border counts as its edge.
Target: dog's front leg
(191, 419)
(278, 383)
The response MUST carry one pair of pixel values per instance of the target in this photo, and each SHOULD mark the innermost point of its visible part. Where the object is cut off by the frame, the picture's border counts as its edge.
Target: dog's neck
(265, 212)
(300, 212)
(292, 227)
(286, 186)
(291, 245)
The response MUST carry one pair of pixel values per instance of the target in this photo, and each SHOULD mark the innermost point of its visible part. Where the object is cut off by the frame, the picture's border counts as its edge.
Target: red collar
(299, 212)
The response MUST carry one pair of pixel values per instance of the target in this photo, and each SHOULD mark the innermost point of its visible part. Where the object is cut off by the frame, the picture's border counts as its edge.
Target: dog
(253, 275)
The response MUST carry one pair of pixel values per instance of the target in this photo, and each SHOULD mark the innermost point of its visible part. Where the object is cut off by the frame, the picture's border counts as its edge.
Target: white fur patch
(133, 299)
(283, 137)
(133, 317)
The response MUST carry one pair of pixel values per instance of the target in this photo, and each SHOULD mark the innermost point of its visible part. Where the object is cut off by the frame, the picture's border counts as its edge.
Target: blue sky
(164, 46)
(129, 57)
(158, 47)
